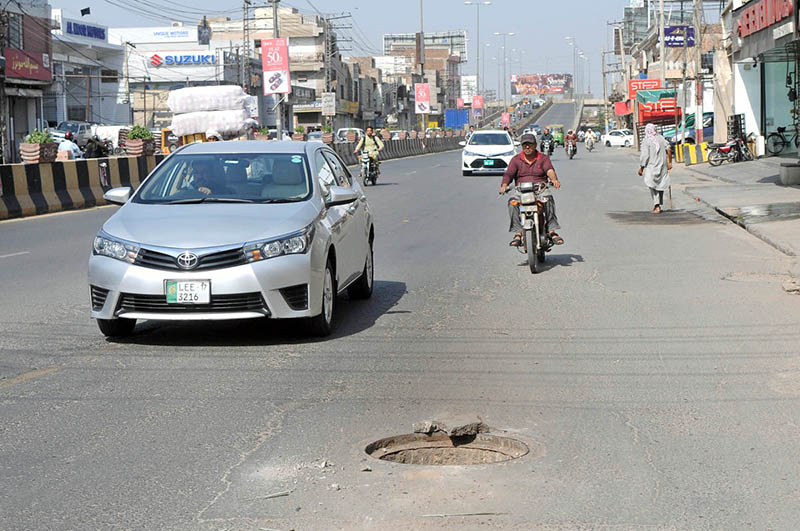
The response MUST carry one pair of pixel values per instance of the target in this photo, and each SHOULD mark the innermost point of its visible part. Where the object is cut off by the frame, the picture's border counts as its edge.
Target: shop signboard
(762, 14)
(635, 85)
(92, 32)
(275, 65)
(761, 26)
(328, 104)
(459, 103)
(477, 102)
(422, 98)
(27, 65)
(157, 35)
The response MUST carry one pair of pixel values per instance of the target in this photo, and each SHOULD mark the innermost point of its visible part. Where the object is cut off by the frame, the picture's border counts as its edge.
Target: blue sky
(540, 25)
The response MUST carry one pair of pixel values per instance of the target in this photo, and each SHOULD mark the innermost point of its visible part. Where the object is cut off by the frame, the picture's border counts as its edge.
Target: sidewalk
(750, 194)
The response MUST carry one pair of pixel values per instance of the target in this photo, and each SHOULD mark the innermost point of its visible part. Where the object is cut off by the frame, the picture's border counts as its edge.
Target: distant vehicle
(433, 131)
(341, 134)
(314, 136)
(557, 130)
(81, 132)
(539, 102)
(487, 152)
(537, 129)
(675, 137)
(618, 138)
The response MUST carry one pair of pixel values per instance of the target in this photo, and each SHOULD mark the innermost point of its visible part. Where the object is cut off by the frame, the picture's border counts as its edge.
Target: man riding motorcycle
(590, 139)
(372, 145)
(570, 138)
(531, 166)
(547, 136)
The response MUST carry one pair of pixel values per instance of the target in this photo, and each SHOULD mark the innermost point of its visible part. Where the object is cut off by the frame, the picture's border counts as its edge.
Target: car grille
(218, 260)
(99, 296)
(296, 297)
(499, 164)
(239, 302)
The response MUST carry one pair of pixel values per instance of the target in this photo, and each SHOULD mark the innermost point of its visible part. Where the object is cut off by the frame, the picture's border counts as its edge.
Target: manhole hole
(441, 450)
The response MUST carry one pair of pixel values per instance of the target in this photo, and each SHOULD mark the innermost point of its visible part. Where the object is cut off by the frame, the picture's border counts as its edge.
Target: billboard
(422, 98)
(673, 36)
(275, 65)
(533, 84)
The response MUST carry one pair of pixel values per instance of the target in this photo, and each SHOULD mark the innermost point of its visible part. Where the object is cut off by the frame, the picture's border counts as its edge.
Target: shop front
(765, 57)
(27, 75)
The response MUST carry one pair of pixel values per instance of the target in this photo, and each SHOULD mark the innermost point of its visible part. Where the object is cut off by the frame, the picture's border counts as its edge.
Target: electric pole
(605, 88)
(278, 106)
(698, 45)
(663, 44)
(246, 43)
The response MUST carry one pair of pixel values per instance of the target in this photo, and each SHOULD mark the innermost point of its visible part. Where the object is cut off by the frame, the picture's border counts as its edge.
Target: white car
(618, 138)
(488, 151)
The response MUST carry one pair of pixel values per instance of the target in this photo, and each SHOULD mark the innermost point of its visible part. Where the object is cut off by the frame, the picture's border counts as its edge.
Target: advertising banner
(533, 84)
(460, 103)
(275, 65)
(505, 119)
(422, 98)
(635, 85)
(673, 36)
(477, 102)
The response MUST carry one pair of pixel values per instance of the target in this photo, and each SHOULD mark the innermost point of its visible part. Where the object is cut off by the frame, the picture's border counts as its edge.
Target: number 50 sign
(275, 65)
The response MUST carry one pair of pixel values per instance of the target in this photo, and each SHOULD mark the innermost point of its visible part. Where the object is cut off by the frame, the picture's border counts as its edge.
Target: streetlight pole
(571, 41)
(505, 80)
(478, 5)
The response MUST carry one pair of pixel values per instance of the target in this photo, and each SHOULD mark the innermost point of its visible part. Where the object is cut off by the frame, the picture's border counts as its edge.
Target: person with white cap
(212, 135)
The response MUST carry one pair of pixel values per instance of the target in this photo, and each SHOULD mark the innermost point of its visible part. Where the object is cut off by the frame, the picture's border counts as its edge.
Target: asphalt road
(558, 113)
(652, 369)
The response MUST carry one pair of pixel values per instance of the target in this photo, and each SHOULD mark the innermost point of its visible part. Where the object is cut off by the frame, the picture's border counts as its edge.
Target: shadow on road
(557, 260)
(352, 317)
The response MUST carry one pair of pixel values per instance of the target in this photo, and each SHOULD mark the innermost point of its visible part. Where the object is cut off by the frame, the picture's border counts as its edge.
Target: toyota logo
(187, 260)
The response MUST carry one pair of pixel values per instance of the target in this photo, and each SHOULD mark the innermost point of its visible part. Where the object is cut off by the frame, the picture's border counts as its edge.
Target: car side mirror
(118, 196)
(462, 143)
(340, 195)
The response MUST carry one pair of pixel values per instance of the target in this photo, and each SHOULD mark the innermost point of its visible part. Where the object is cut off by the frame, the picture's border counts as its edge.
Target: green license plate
(188, 291)
(488, 162)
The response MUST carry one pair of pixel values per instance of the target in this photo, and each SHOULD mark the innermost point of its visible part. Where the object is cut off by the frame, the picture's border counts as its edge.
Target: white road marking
(14, 254)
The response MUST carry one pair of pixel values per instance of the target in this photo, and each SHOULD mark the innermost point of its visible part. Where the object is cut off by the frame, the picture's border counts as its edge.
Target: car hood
(208, 225)
(489, 151)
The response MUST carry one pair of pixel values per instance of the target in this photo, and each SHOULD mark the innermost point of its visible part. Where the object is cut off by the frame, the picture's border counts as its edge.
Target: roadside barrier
(31, 189)
(695, 153)
(677, 152)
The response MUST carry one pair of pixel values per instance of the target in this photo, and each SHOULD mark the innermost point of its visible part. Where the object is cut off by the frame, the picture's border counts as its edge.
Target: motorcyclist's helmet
(68, 135)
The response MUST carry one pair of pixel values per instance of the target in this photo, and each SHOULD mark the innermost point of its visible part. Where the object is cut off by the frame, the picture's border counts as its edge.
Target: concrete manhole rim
(502, 449)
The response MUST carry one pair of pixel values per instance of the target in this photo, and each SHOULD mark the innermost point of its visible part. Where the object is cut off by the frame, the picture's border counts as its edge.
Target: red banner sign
(27, 65)
(422, 98)
(763, 14)
(275, 65)
(460, 103)
(477, 102)
(505, 119)
(635, 85)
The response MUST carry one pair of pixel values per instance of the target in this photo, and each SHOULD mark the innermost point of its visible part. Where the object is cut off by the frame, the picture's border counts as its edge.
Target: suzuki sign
(180, 60)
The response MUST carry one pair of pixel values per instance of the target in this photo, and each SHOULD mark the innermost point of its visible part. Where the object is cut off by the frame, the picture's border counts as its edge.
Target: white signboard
(153, 35)
(328, 104)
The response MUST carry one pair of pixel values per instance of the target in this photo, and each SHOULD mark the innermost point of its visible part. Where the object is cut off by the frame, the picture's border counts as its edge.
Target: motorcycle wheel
(533, 254)
(715, 158)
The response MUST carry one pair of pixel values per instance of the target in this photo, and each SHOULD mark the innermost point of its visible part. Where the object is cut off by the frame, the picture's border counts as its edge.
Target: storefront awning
(621, 108)
(24, 92)
(653, 96)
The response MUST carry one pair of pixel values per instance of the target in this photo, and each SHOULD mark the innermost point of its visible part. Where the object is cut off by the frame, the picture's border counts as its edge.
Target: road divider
(395, 149)
(33, 189)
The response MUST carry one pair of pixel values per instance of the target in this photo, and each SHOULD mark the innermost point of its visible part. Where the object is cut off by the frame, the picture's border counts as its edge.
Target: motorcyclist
(590, 138)
(570, 138)
(531, 166)
(95, 149)
(68, 145)
(547, 136)
(372, 145)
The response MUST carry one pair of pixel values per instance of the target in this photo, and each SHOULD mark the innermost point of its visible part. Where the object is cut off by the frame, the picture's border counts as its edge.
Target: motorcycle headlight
(297, 243)
(471, 154)
(106, 245)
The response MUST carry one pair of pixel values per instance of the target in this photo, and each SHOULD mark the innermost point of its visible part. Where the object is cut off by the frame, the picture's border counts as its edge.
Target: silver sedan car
(234, 230)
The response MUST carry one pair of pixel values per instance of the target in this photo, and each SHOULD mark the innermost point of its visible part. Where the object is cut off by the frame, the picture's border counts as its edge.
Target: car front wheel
(321, 325)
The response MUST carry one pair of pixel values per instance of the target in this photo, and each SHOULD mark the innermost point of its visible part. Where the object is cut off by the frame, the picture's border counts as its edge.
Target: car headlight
(471, 154)
(508, 154)
(105, 245)
(296, 243)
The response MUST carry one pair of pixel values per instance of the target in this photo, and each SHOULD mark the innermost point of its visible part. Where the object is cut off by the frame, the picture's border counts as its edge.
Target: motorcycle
(369, 168)
(547, 147)
(537, 242)
(733, 150)
(589, 142)
(571, 148)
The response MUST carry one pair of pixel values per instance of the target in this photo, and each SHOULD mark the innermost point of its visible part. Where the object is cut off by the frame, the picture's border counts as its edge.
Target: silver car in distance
(234, 230)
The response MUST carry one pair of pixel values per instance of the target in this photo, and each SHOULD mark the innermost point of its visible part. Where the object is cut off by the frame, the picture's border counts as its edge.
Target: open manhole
(442, 450)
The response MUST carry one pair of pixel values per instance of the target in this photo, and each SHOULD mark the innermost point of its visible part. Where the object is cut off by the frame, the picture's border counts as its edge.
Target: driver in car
(207, 181)
(531, 166)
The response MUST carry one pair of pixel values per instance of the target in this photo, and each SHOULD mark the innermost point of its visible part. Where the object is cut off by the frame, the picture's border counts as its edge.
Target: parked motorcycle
(369, 168)
(733, 150)
(537, 242)
(571, 148)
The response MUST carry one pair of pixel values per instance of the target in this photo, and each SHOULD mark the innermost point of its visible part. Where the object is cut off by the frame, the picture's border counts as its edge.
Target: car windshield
(72, 127)
(229, 178)
(489, 139)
